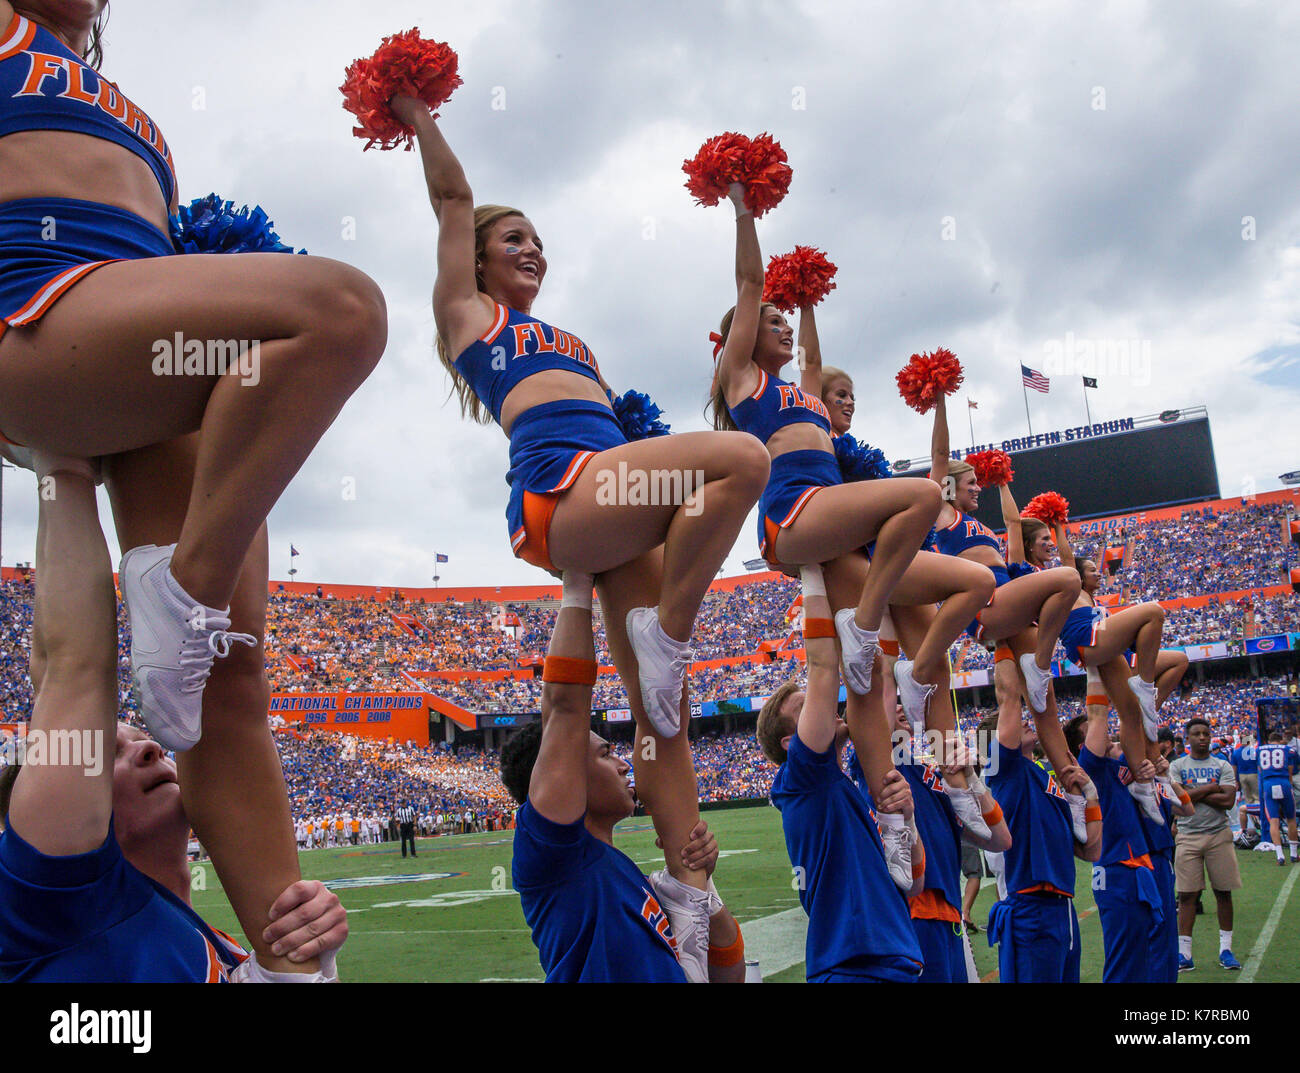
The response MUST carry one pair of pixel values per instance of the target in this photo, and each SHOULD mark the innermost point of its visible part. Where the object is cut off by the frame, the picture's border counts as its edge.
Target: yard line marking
(1270, 926)
(513, 980)
(778, 941)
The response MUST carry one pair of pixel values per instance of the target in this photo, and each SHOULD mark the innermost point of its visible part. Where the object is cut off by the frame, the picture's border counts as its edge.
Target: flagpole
(972, 424)
(1026, 395)
(1086, 408)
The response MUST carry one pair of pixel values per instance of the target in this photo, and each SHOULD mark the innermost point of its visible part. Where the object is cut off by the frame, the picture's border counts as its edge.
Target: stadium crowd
(320, 643)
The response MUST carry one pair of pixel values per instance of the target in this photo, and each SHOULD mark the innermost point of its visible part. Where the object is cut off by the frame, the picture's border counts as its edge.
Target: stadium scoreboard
(1165, 463)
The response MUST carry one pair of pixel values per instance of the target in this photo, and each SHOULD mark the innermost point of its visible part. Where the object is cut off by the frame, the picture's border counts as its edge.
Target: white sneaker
(662, 664)
(914, 695)
(1036, 682)
(1144, 793)
(966, 805)
(857, 652)
(1146, 695)
(1078, 820)
(688, 912)
(898, 840)
(174, 640)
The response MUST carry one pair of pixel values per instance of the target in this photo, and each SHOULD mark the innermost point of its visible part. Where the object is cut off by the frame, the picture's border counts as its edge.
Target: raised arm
(810, 354)
(460, 311)
(1011, 519)
(939, 451)
(1063, 546)
(61, 808)
(818, 719)
(736, 370)
(558, 788)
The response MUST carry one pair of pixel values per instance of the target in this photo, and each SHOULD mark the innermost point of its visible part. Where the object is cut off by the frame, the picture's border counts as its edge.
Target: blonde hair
(471, 405)
(717, 410)
(772, 725)
(829, 375)
(956, 470)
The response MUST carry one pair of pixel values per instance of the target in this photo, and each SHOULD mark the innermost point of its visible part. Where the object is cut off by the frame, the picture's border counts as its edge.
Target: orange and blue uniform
(93, 917)
(593, 916)
(1080, 630)
(1035, 927)
(1130, 904)
(550, 444)
(796, 476)
(47, 245)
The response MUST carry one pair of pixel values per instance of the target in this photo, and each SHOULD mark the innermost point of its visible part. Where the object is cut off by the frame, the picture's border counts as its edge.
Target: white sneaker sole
(854, 654)
(661, 708)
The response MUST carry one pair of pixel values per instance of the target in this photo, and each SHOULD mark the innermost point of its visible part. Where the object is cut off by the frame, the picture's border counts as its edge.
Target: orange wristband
(1002, 653)
(889, 648)
(726, 956)
(1092, 813)
(1097, 698)
(993, 816)
(918, 864)
(818, 627)
(561, 670)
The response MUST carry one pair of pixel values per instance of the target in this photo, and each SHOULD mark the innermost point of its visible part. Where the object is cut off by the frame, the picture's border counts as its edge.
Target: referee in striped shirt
(405, 817)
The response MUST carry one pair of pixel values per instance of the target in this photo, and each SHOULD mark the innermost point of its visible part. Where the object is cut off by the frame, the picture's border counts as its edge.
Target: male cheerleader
(1034, 926)
(859, 930)
(1131, 904)
(936, 910)
(594, 917)
(1277, 763)
(94, 881)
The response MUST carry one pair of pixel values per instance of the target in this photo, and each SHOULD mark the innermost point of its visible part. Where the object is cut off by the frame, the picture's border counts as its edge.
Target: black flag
(1088, 381)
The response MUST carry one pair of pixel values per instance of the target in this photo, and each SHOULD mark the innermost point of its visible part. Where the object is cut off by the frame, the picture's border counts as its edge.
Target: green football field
(451, 915)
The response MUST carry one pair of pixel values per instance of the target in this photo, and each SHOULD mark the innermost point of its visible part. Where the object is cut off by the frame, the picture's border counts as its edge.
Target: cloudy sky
(997, 179)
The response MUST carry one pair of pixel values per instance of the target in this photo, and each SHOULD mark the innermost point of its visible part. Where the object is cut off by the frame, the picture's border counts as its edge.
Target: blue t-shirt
(936, 822)
(593, 915)
(1276, 763)
(1038, 816)
(95, 918)
(1123, 839)
(1244, 759)
(1160, 837)
(857, 917)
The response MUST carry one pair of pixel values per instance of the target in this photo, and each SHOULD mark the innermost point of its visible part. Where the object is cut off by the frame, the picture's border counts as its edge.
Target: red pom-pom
(1049, 507)
(798, 279)
(759, 163)
(991, 467)
(927, 376)
(405, 63)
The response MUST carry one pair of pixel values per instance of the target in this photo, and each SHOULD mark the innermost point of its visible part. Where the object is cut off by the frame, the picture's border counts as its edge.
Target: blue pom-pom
(639, 416)
(860, 461)
(211, 225)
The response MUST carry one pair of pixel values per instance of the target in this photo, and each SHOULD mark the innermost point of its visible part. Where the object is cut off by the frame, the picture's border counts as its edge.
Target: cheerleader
(807, 515)
(543, 387)
(960, 588)
(89, 289)
(1035, 597)
(1095, 638)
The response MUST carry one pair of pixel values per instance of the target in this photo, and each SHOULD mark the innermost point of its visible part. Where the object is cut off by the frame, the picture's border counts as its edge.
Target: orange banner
(402, 716)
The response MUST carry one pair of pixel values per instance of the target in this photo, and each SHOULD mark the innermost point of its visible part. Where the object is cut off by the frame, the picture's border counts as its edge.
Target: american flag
(1034, 379)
